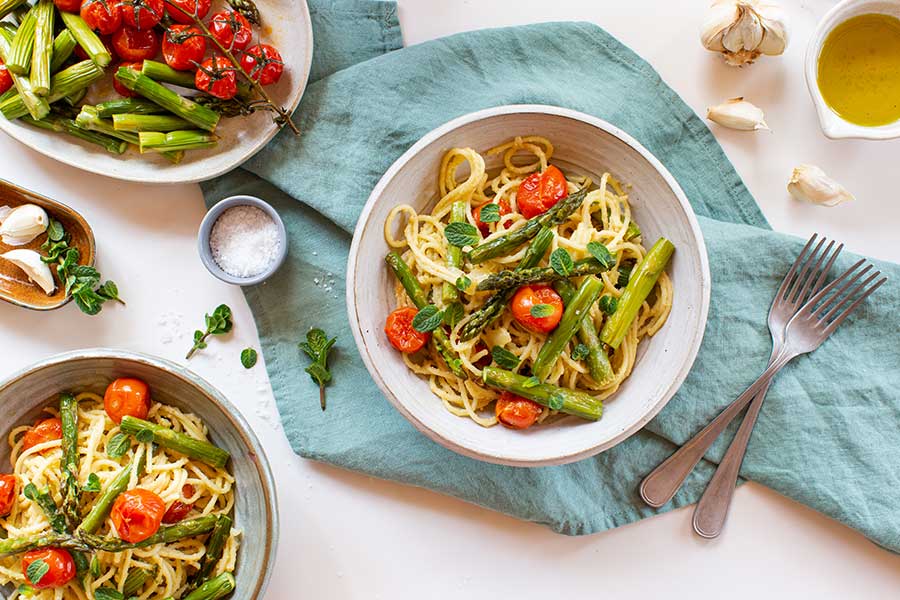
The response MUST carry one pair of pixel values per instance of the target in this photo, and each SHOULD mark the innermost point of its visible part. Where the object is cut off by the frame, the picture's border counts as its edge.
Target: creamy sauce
(859, 70)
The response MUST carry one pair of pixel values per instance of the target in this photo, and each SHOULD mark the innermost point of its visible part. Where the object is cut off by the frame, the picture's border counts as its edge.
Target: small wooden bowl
(15, 286)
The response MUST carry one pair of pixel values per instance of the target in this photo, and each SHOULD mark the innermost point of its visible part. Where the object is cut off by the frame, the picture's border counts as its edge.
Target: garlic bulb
(22, 224)
(810, 184)
(36, 269)
(743, 29)
(737, 113)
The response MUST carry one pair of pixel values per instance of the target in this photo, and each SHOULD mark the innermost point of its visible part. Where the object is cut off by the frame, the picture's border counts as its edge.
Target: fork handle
(663, 482)
(712, 510)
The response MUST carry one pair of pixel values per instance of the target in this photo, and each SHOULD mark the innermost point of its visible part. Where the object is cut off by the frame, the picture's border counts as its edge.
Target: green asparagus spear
(597, 358)
(19, 59)
(11, 546)
(67, 81)
(494, 306)
(68, 126)
(7, 6)
(175, 140)
(42, 54)
(571, 321)
(643, 278)
(89, 119)
(217, 587)
(513, 278)
(45, 501)
(36, 106)
(75, 98)
(135, 581)
(565, 400)
(215, 545)
(136, 106)
(505, 244)
(449, 292)
(63, 47)
(95, 518)
(165, 535)
(162, 72)
(188, 110)
(68, 415)
(417, 295)
(632, 232)
(88, 40)
(137, 122)
(145, 431)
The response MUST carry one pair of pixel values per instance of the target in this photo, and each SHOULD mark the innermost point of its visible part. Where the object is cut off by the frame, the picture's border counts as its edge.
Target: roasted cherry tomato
(135, 45)
(126, 396)
(263, 63)
(45, 431)
(126, 93)
(485, 227)
(516, 412)
(529, 296)
(231, 29)
(198, 7)
(178, 510)
(7, 494)
(400, 331)
(72, 6)
(61, 567)
(142, 14)
(137, 514)
(103, 16)
(217, 77)
(183, 47)
(6, 81)
(540, 191)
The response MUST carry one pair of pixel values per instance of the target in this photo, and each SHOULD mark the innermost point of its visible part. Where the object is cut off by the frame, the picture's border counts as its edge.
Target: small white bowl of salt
(242, 240)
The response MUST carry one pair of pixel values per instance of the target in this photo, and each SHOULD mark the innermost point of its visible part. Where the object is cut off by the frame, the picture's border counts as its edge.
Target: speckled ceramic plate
(286, 25)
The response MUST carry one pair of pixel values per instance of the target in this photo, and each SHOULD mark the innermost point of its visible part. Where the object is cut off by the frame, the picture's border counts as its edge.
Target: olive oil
(859, 70)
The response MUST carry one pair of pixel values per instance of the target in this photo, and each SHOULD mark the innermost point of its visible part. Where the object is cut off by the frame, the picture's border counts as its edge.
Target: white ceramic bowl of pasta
(583, 145)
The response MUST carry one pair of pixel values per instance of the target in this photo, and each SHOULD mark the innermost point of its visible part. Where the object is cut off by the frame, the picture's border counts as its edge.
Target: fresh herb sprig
(218, 323)
(316, 347)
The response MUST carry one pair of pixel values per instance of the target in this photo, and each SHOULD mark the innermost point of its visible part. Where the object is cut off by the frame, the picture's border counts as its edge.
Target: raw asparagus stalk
(8, 93)
(137, 122)
(42, 54)
(417, 295)
(506, 244)
(175, 140)
(188, 110)
(597, 358)
(11, 546)
(88, 40)
(449, 293)
(217, 587)
(165, 535)
(215, 545)
(19, 59)
(162, 72)
(68, 126)
(95, 518)
(643, 278)
(565, 400)
(63, 47)
(135, 106)
(89, 118)
(7, 6)
(192, 448)
(68, 415)
(36, 106)
(135, 581)
(67, 81)
(75, 97)
(494, 306)
(571, 321)
(513, 278)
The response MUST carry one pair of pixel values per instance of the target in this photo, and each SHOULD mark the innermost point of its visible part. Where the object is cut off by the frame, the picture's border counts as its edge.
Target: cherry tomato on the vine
(61, 567)
(200, 8)
(72, 6)
(103, 16)
(7, 494)
(516, 412)
(541, 191)
(217, 77)
(183, 47)
(135, 45)
(263, 63)
(529, 296)
(400, 331)
(127, 396)
(44, 431)
(6, 81)
(137, 514)
(231, 29)
(142, 14)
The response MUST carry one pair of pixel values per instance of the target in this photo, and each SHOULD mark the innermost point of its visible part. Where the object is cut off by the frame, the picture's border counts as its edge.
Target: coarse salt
(244, 241)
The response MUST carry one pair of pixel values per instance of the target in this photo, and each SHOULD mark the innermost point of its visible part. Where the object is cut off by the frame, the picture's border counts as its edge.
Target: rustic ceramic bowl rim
(218, 399)
(353, 265)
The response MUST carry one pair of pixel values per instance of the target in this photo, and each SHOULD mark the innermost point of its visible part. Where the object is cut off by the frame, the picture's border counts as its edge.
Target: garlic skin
(743, 29)
(809, 183)
(22, 224)
(739, 114)
(36, 269)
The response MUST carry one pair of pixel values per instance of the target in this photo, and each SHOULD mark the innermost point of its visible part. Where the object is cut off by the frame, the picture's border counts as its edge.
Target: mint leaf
(461, 234)
(561, 262)
(118, 445)
(427, 319)
(556, 401)
(36, 571)
(145, 436)
(55, 231)
(504, 358)
(249, 357)
(624, 274)
(463, 283)
(539, 311)
(106, 593)
(453, 314)
(490, 213)
(580, 352)
(602, 254)
(92, 485)
(608, 304)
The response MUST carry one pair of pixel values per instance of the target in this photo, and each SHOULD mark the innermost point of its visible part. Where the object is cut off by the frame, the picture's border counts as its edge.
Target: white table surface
(349, 536)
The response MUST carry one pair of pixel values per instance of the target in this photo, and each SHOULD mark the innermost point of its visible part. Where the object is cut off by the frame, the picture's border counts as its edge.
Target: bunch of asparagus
(78, 535)
(160, 121)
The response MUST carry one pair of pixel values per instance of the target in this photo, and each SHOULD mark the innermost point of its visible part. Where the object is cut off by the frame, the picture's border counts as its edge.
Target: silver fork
(805, 277)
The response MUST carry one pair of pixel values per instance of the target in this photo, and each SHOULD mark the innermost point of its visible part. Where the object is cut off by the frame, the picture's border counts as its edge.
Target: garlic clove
(809, 183)
(720, 17)
(36, 269)
(743, 29)
(739, 114)
(23, 224)
(4, 210)
(775, 24)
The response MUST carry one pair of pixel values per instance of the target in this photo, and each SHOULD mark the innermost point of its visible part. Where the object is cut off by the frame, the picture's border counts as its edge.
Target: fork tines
(833, 303)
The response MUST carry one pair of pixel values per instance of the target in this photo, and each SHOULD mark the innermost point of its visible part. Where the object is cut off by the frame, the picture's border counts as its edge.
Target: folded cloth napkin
(828, 436)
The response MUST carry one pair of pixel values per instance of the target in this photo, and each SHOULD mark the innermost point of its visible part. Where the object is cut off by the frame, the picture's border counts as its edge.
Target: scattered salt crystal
(244, 241)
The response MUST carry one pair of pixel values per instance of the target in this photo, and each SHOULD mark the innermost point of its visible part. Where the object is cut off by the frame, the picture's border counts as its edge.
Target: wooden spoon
(15, 287)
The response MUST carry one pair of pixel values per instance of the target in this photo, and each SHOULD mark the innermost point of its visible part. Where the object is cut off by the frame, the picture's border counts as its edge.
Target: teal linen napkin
(828, 436)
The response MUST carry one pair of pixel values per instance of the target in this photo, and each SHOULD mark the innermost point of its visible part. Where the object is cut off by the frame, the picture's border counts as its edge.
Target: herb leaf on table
(217, 323)
(248, 358)
(316, 347)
